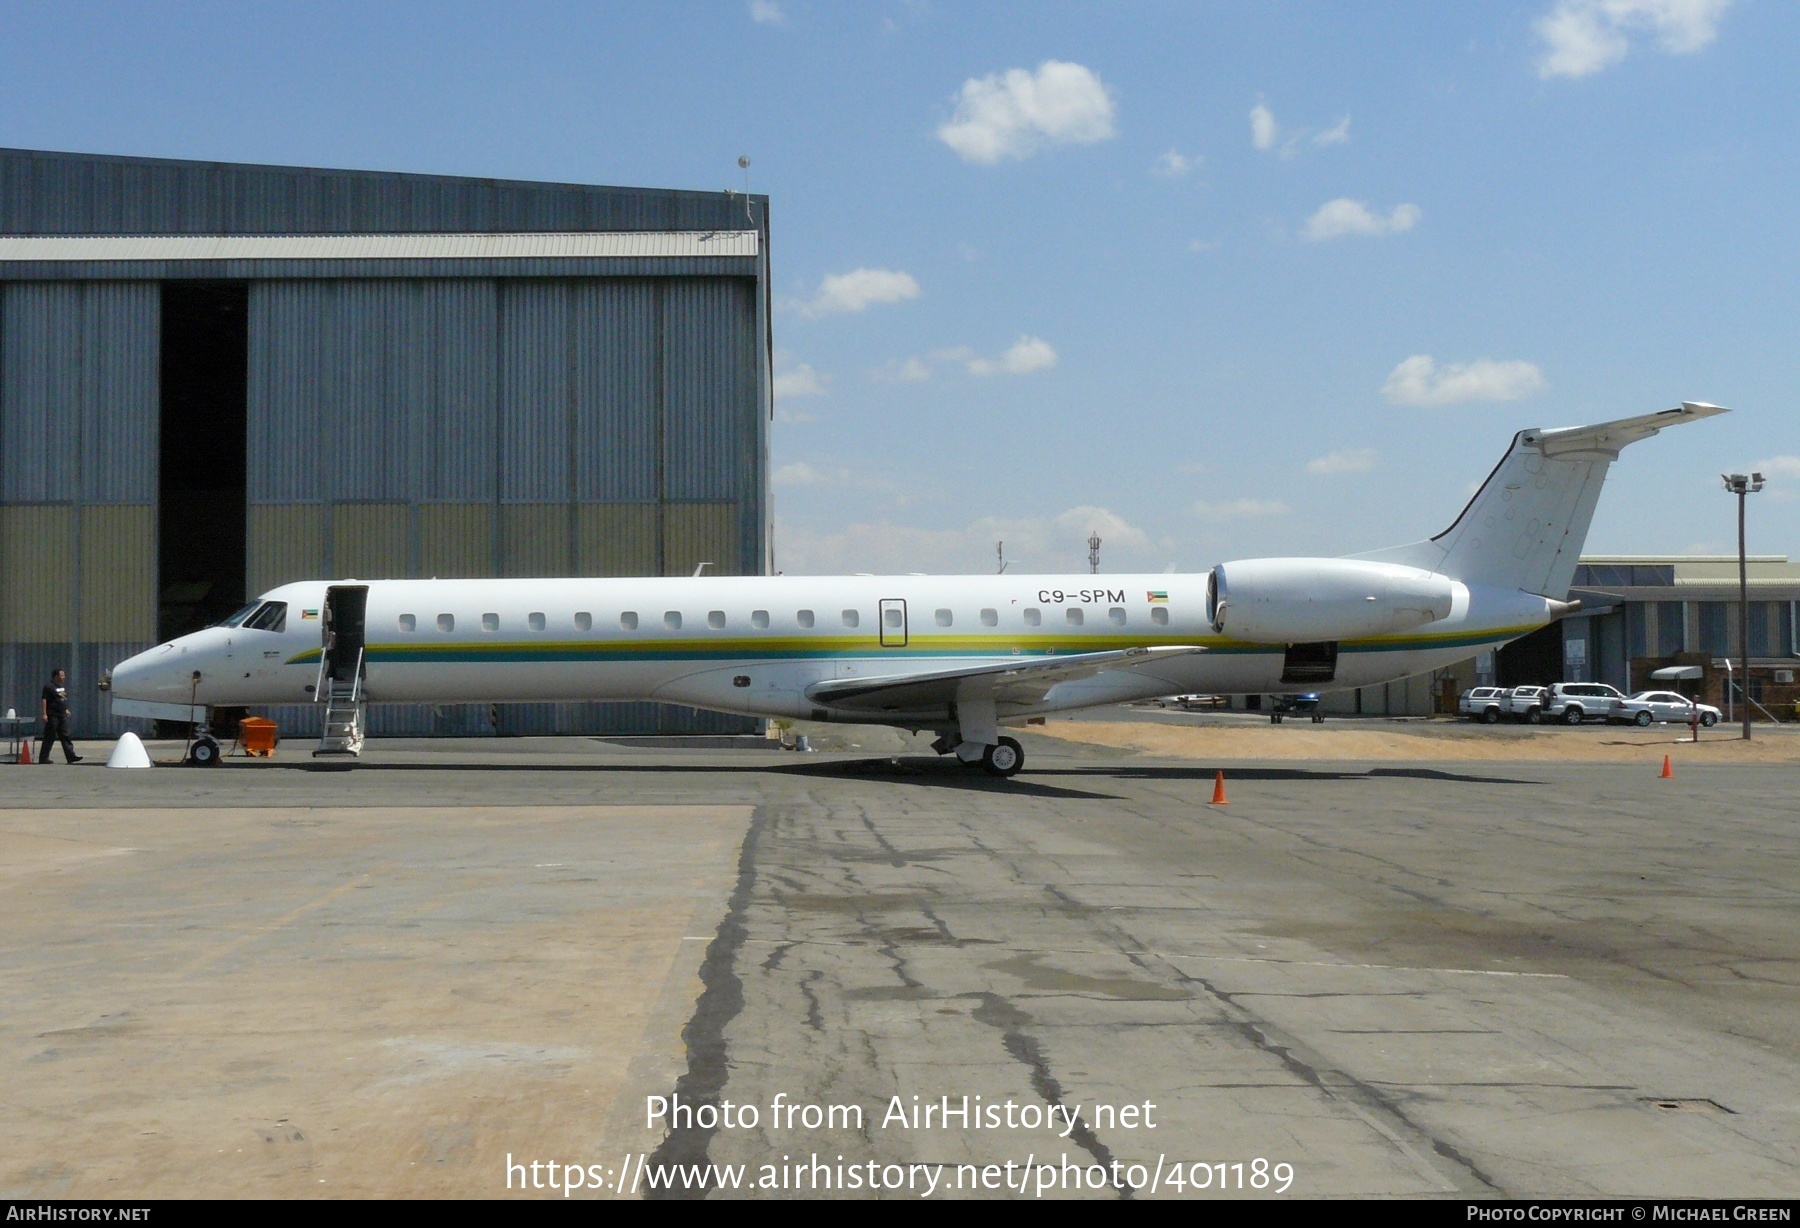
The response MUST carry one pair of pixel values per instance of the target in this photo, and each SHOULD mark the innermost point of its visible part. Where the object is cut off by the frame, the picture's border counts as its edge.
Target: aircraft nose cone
(150, 676)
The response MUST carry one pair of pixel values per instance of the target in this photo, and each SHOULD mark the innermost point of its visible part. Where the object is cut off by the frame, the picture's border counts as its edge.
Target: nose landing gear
(204, 752)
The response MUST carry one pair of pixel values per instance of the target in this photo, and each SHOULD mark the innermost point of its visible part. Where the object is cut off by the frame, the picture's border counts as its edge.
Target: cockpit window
(272, 617)
(242, 614)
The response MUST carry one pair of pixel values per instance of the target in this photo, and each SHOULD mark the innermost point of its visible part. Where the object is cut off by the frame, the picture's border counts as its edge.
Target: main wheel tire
(1005, 759)
(1643, 718)
(205, 753)
(1274, 718)
(1571, 716)
(1708, 719)
(1490, 716)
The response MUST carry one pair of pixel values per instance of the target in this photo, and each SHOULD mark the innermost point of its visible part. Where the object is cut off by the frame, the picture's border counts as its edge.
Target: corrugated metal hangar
(217, 378)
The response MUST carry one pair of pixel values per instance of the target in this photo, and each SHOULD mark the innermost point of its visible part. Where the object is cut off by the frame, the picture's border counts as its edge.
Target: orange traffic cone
(1668, 772)
(25, 751)
(1218, 790)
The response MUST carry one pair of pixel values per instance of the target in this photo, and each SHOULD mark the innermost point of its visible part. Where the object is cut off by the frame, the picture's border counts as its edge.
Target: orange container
(258, 736)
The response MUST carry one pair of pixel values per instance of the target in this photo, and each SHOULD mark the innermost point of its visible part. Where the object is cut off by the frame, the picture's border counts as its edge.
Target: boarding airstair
(341, 687)
(341, 732)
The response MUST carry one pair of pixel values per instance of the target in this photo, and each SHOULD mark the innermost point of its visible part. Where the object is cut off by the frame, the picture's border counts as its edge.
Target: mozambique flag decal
(1157, 596)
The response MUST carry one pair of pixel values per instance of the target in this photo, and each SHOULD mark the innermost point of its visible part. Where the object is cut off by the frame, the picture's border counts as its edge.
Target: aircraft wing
(1023, 682)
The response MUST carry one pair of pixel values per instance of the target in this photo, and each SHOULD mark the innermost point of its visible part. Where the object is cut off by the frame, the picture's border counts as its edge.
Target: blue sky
(1217, 281)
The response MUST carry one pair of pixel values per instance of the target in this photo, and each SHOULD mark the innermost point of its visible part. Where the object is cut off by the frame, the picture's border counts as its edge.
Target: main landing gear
(1004, 758)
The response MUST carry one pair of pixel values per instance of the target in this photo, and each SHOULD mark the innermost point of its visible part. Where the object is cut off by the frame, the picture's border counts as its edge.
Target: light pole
(1740, 486)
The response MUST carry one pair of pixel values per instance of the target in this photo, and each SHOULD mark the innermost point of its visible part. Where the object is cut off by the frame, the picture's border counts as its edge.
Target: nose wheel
(204, 752)
(1004, 759)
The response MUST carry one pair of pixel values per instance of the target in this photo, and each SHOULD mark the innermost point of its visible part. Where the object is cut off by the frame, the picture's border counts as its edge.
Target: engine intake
(1293, 601)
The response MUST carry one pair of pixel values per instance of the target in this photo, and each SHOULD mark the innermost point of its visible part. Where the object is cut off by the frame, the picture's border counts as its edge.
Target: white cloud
(1778, 467)
(1349, 460)
(1174, 164)
(799, 473)
(1582, 37)
(1343, 216)
(800, 381)
(1337, 134)
(1240, 509)
(841, 293)
(1418, 381)
(902, 371)
(1264, 131)
(1024, 356)
(767, 13)
(1016, 113)
(1055, 544)
(1203, 245)
(1266, 134)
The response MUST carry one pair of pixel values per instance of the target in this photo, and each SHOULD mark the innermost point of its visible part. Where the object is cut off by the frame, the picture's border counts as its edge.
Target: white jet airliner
(962, 656)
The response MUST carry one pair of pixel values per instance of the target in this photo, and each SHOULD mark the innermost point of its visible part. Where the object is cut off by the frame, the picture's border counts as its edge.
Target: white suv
(1575, 702)
(1482, 703)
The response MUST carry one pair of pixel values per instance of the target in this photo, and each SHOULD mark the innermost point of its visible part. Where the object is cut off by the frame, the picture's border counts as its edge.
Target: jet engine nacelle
(1303, 601)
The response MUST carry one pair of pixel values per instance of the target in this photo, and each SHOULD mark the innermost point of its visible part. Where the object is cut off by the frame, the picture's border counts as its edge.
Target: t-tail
(1525, 527)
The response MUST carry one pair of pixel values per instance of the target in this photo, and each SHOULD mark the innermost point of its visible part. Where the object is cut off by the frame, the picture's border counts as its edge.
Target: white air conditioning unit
(1784, 676)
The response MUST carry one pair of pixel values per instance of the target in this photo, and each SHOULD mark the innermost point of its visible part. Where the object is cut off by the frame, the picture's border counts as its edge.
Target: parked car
(1296, 705)
(1649, 706)
(1526, 703)
(1486, 704)
(1575, 702)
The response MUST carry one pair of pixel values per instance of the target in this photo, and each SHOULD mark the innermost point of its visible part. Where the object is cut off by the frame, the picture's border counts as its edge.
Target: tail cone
(1218, 798)
(1668, 772)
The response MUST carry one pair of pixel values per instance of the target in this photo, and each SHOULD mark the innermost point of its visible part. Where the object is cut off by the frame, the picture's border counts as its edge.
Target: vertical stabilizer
(1525, 527)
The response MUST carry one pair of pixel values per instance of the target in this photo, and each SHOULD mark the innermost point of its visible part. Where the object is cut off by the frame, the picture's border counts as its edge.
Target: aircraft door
(893, 622)
(346, 607)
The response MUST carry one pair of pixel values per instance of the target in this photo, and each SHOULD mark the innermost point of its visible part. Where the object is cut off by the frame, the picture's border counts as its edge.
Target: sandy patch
(1430, 740)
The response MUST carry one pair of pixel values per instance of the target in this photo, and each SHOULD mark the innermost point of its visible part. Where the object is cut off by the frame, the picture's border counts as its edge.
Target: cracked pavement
(1519, 979)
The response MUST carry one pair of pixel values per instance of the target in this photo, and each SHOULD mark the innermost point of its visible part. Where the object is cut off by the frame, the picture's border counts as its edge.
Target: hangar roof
(45, 193)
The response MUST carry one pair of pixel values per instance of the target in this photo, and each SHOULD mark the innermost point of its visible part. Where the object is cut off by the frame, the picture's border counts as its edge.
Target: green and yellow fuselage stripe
(715, 647)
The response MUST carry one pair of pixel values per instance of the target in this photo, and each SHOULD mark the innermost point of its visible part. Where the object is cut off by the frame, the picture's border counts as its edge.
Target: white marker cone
(129, 753)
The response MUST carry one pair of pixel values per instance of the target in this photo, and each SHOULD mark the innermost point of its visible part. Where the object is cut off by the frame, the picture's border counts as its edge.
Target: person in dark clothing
(53, 708)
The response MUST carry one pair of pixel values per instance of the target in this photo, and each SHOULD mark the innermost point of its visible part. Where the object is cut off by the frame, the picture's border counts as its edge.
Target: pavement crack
(721, 1001)
(1024, 1048)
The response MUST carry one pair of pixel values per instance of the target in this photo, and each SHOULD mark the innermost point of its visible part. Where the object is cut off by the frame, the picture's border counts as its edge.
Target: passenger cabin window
(446, 622)
(408, 623)
(490, 622)
(990, 618)
(272, 617)
(716, 620)
(1116, 616)
(535, 621)
(628, 621)
(944, 618)
(584, 621)
(759, 619)
(672, 620)
(1159, 615)
(852, 618)
(1032, 616)
(804, 618)
(893, 617)
(1074, 615)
